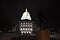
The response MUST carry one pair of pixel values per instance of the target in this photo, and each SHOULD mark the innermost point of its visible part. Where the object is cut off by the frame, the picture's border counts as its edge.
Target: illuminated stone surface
(26, 15)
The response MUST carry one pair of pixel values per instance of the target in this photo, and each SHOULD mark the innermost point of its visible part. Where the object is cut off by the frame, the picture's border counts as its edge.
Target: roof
(26, 15)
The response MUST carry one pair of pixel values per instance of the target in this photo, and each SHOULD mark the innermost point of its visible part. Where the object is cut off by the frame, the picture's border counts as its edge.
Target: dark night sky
(47, 11)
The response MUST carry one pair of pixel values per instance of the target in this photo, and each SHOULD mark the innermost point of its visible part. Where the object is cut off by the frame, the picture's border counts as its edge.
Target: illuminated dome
(26, 15)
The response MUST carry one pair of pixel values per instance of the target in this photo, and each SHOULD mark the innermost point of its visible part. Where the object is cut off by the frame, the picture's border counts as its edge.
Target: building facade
(26, 25)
